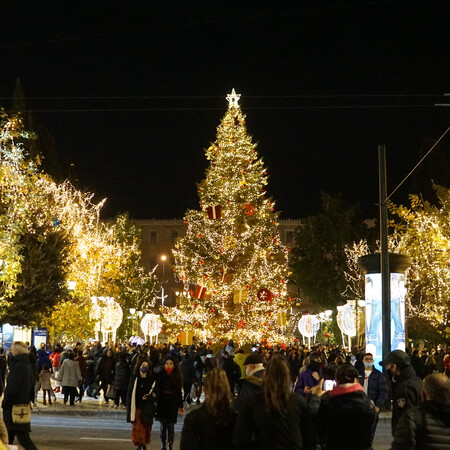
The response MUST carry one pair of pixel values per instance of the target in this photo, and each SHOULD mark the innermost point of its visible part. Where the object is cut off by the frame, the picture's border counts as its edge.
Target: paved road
(90, 433)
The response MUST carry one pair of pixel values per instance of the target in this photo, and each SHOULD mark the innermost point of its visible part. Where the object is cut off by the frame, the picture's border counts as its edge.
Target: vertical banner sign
(374, 337)
(7, 336)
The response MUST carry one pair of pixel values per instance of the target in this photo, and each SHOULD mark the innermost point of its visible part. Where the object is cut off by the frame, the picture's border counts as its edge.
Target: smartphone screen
(328, 385)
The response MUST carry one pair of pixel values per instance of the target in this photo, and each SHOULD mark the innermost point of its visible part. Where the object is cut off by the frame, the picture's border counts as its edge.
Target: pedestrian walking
(254, 369)
(170, 400)
(406, 386)
(70, 377)
(275, 418)
(80, 359)
(45, 377)
(105, 372)
(310, 376)
(121, 379)
(141, 394)
(428, 425)
(373, 382)
(18, 391)
(54, 358)
(345, 405)
(213, 421)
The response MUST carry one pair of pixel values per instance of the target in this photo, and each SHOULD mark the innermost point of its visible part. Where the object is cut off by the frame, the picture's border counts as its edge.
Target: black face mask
(314, 366)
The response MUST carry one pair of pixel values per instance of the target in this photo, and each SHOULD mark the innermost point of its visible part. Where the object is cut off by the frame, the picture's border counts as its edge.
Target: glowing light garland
(234, 251)
(151, 325)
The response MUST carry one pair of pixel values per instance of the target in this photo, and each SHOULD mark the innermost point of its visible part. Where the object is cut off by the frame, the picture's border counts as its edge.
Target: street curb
(80, 413)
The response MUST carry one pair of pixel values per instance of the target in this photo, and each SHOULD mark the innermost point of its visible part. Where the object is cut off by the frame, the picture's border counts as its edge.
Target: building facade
(159, 237)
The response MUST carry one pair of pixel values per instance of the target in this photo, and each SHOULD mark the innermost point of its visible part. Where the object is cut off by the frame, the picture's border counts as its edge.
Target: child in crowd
(44, 379)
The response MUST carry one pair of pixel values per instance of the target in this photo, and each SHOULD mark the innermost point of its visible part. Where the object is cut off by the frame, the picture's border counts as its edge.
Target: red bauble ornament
(249, 210)
(264, 295)
(196, 324)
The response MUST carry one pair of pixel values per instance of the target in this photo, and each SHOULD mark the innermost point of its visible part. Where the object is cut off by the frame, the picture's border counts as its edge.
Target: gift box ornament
(240, 295)
(281, 318)
(200, 292)
(214, 212)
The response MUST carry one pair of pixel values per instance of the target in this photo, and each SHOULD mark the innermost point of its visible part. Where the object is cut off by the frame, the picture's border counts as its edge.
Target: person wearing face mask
(254, 369)
(170, 400)
(142, 389)
(309, 377)
(373, 382)
(406, 386)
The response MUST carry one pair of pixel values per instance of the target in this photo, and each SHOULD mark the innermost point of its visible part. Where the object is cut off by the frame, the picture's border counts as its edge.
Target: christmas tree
(231, 260)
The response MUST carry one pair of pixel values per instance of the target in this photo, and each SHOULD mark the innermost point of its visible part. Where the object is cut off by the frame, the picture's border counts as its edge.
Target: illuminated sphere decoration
(308, 325)
(346, 319)
(107, 313)
(151, 325)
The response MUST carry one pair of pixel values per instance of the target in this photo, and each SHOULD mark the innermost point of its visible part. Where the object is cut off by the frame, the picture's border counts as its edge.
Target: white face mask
(247, 370)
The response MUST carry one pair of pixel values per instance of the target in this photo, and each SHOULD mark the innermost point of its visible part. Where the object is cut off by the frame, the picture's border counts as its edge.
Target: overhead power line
(420, 162)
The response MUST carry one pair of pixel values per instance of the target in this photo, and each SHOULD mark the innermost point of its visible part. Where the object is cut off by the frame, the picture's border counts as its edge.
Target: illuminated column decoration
(374, 338)
(151, 325)
(346, 320)
(108, 316)
(308, 326)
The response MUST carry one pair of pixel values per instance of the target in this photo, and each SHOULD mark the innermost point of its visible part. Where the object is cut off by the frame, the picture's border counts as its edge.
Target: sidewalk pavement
(92, 407)
(89, 406)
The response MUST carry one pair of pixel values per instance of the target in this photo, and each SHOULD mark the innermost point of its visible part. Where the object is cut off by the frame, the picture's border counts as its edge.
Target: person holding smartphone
(346, 405)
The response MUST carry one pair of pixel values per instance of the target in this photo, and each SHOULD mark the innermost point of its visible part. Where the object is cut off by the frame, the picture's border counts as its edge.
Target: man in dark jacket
(417, 363)
(428, 426)
(254, 368)
(17, 392)
(407, 387)
(347, 404)
(373, 382)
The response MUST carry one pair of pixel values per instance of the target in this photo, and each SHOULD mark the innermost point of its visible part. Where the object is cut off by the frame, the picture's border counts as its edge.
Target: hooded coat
(18, 389)
(426, 427)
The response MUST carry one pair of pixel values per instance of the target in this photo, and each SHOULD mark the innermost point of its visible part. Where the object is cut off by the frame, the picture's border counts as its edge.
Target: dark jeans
(167, 429)
(23, 437)
(121, 394)
(187, 392)
(69, 391)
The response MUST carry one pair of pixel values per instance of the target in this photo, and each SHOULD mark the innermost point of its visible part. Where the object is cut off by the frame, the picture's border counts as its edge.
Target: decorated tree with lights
(422, 231)
(231, 259)
(51, 233)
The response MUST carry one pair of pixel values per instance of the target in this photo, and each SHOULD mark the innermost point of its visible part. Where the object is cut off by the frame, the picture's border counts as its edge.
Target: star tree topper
(233, 99)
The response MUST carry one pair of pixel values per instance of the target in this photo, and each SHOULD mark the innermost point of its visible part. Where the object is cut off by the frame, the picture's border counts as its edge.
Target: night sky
(132, 93)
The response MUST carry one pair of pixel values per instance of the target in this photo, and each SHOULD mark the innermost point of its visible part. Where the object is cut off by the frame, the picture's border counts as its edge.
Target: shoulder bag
(21, 414)
(149, 409)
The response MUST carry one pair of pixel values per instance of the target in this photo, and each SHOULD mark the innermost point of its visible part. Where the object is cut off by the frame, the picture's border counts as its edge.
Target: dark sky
(133, 91)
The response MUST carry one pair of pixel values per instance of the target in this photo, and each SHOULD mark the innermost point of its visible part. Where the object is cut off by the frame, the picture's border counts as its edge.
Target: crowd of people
(253, 397)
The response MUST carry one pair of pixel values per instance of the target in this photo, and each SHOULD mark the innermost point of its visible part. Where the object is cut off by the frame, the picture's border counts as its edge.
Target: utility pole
(384, 257)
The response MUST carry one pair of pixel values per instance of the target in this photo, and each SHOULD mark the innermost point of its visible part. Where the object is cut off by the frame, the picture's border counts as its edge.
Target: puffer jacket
(335, 410)
(426, 428)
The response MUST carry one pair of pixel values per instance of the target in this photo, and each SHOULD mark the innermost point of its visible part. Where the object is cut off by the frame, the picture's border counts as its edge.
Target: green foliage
(318, 259)
(41, 282)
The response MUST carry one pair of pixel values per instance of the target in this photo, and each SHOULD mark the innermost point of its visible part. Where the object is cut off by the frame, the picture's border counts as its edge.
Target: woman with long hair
(170, 400)
(213, 421)
(141, 390)
(275, 418)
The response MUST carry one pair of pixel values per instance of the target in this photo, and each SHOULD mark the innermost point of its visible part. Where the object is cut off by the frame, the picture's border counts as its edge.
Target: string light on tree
(234, 248)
